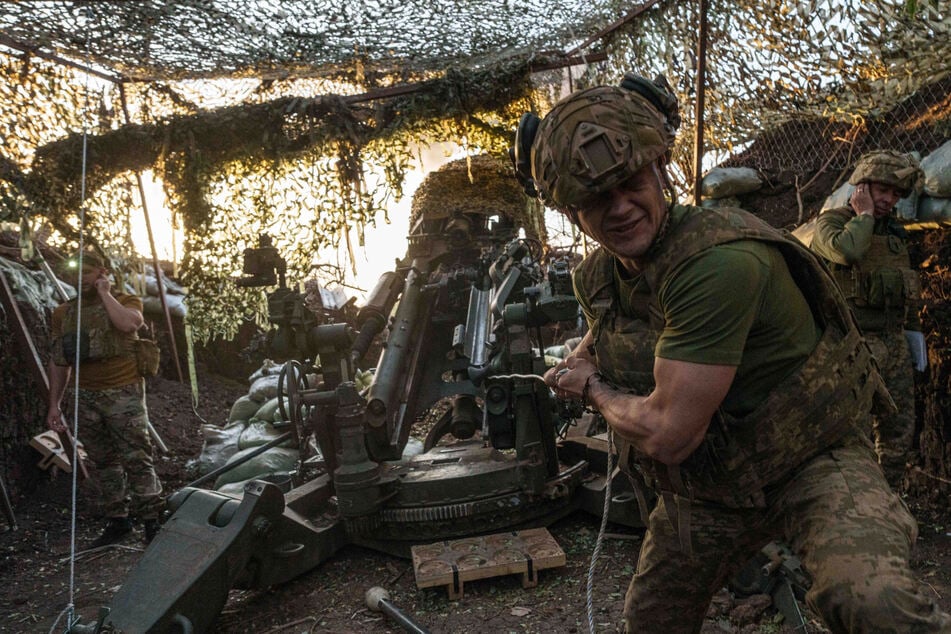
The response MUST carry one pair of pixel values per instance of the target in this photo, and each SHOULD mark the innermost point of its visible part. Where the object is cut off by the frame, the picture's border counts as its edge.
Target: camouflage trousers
(113, 427)
(852, 533)
(893, 432)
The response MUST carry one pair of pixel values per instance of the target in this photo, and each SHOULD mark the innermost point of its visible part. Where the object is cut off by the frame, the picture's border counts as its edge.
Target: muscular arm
(58, 376)
(668, 424)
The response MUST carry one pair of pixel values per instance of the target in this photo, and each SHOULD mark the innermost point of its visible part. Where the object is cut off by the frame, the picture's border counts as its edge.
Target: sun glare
(384, 244)
(167, 239)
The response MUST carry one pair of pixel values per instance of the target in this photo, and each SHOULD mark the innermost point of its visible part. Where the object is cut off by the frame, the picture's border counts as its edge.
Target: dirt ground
(35, 563)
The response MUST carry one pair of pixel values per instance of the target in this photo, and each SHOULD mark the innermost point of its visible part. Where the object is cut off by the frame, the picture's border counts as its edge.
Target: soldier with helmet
(731, 371)
(98, 329)
(866, 250)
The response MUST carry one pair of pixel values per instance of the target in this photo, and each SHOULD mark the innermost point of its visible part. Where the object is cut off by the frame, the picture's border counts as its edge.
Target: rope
(537, 377)
(600, 541)
(596, 553)
(71, 606)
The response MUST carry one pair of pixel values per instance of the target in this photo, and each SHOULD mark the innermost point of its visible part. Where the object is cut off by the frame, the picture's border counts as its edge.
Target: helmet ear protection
(521, 152)
(660, 94)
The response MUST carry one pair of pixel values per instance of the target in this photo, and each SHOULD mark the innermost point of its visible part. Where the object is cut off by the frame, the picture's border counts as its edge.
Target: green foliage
(313, 167)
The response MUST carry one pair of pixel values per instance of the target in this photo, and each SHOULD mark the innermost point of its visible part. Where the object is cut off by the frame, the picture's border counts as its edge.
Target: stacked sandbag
(146, 285)
(934, 205)
(722, 186)
(251, 423)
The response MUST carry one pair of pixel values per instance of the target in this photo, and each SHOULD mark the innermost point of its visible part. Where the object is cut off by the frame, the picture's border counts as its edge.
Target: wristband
(585, 391)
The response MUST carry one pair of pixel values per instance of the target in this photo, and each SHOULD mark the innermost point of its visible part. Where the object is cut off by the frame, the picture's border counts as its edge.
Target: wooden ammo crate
(452, 563)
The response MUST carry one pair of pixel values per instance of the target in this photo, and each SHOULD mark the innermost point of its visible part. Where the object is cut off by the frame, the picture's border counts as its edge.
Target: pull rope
(71, 606)
(599, 542)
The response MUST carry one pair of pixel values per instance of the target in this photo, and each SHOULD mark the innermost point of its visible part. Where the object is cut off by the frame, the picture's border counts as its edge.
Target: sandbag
(839, 198)
(937, 169)
(264, 388)
(220, 444)
(934, 208)
(243, 409)
(907, 207)
(274, 460)
(271, 411)
(721, 182)
(267, 369)
(153, 305)
(151, 285)
(806, 231)
(259, 432)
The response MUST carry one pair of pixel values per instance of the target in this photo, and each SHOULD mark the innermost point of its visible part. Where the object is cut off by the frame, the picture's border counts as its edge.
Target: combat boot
(116, 529)
(151, 529)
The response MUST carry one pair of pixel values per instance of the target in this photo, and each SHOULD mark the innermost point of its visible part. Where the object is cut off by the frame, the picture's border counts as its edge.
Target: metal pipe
(231, 465)
(700, 88)
(158, 439)
(384, 392)
(378, 600)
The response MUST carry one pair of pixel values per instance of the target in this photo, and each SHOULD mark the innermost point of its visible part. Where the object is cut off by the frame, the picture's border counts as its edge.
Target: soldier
(866, 250)
(113, 419)
(730, 369)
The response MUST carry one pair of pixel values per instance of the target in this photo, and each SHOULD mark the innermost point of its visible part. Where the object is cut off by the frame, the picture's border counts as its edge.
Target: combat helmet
(888, 167)
(595, 139)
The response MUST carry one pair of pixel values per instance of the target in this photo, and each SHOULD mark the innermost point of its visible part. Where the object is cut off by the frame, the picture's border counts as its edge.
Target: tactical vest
(98, 338)
(828, 397)
(881, 287)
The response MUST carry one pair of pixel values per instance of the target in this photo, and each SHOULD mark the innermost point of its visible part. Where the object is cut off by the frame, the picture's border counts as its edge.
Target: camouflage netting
(482, 185)
(302, 119)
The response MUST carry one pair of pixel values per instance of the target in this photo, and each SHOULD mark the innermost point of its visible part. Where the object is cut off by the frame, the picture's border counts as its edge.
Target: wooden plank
(452, 563)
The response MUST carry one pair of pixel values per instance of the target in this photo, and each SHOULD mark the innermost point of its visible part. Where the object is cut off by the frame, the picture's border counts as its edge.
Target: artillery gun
(464, 315)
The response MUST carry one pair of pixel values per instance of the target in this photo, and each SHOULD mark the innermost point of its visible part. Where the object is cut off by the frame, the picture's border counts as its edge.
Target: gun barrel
(389, 372)
(478, 326)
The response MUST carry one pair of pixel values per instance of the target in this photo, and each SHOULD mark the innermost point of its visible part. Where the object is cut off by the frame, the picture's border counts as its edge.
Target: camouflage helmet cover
(594, 140)
(888, 167)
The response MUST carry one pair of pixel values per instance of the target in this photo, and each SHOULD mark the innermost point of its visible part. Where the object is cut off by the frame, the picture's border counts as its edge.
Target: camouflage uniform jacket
(880, 285)
(828, 397)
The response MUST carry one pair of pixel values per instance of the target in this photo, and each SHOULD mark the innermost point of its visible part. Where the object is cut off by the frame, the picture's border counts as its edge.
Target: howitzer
(464, 315)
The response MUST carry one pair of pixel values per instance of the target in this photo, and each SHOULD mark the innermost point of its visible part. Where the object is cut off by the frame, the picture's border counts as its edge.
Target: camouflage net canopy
(331, 39)
(302, 119)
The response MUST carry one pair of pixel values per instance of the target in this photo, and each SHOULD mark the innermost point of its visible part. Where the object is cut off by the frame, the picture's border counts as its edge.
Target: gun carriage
(463, 317)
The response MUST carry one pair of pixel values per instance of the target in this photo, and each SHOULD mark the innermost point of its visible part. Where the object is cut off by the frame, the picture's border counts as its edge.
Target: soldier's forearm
(58, 376)
(122, 318)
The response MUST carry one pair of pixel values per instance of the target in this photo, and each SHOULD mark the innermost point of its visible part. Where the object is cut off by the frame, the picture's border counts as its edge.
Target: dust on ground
(35, 563)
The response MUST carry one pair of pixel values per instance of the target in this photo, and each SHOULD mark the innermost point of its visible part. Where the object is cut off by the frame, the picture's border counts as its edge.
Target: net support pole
(700, 90)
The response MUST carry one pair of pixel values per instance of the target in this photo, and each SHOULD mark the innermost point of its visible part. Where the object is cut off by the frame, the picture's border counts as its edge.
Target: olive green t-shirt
(734, 304)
